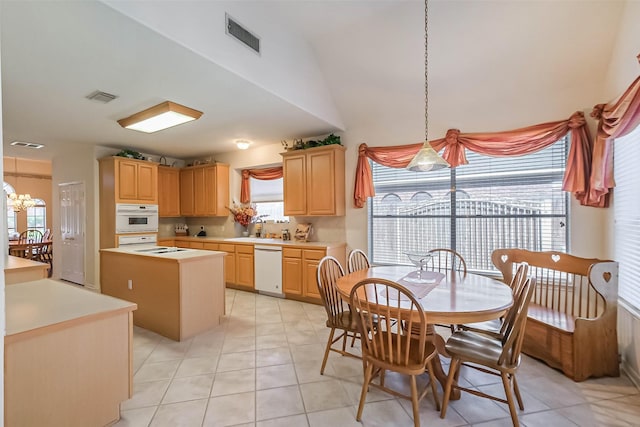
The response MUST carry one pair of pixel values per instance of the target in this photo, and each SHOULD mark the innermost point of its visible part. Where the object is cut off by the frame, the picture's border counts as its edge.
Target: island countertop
(179, 255)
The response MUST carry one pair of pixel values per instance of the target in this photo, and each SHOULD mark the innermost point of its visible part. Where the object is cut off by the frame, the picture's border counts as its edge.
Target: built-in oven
(136, 218)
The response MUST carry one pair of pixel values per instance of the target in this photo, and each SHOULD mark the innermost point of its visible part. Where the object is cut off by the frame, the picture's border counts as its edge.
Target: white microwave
(136, 218)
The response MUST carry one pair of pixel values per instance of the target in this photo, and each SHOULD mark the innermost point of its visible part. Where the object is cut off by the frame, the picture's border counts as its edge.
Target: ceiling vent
(242, 34)
(27, 145)
(103, 97)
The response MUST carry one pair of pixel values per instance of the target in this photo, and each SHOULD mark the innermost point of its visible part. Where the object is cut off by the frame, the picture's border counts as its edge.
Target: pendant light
(426, 159)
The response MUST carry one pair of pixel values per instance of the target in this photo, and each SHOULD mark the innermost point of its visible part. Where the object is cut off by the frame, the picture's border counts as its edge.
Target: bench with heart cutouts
(571, 324)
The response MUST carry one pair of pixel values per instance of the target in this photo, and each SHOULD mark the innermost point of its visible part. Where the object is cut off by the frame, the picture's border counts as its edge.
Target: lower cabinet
(299, 271)
(244, 266)
(229, 262)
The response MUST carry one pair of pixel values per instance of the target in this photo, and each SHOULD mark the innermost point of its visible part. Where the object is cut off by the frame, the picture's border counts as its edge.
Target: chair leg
(326, 350)
(516, 391)
(453, 367)
(414, 402)
(434, 387)
(344, 341)
(507, 391)
(365, 389)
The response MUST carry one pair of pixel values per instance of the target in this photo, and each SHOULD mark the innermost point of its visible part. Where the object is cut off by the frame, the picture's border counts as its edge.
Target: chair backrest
(47, 234)
(443, 259)
(517, 286)
(396, 318)
(514, 324)
(30, 236)
(329, 271)
(358, 260)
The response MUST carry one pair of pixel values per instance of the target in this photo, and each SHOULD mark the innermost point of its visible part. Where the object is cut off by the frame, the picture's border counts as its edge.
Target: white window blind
(491, 203)
(626, 210)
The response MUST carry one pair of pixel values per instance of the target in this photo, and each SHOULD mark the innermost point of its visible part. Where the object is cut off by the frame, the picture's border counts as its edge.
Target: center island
(179, 292)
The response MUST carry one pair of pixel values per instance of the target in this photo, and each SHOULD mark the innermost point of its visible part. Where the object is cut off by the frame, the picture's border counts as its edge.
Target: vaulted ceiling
(324, 66)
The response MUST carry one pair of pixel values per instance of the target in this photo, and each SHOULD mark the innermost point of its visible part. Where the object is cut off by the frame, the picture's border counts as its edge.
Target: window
(11, 215)
(626, 212)
(37, 216)
(269, 199)
(488, 204)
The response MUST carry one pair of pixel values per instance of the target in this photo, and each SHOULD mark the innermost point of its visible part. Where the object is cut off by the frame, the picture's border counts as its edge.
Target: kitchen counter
(255, 241)
(179, 294)
(68, 355)
(18, 270)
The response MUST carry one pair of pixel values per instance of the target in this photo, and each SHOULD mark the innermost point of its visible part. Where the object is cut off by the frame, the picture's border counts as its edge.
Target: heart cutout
(606, 276)
(504, 258)
(555, 257)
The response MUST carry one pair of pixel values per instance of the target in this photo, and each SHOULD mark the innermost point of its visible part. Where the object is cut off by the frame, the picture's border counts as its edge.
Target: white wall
(623, 70)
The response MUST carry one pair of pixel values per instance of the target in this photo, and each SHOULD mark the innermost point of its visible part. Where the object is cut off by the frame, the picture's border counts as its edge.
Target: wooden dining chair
(443, 259)
(498, 355)
(339, 317)
(30, 236)
(496, 326)
(388, 346)
(45, 254)
(358, 260)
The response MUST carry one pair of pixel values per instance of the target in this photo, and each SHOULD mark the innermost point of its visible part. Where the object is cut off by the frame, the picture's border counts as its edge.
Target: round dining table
(452, 298)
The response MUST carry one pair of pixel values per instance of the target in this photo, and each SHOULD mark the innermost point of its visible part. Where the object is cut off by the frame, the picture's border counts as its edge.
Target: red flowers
(244, 215)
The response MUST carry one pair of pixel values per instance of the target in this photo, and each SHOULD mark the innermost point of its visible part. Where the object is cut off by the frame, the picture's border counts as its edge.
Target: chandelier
(20, 202)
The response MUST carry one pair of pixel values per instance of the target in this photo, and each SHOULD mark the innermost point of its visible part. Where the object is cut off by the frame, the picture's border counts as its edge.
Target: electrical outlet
(130, 284)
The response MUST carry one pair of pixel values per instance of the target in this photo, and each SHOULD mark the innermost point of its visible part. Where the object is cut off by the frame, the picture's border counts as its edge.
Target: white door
(72, 225)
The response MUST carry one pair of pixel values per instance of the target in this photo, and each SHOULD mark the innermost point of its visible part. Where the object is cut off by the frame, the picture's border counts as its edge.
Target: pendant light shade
(426, 159)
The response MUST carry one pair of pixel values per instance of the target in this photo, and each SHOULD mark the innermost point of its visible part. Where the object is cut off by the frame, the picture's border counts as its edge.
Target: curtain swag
(265, 174)
(499, 144)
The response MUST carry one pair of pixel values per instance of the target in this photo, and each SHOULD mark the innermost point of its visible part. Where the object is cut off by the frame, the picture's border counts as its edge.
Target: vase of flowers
(244, 215)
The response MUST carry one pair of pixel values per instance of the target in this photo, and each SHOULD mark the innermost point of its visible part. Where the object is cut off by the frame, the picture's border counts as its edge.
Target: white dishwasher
(268, 269)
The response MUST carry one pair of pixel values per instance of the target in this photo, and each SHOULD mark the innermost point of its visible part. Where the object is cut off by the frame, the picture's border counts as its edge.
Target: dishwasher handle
(268, 248)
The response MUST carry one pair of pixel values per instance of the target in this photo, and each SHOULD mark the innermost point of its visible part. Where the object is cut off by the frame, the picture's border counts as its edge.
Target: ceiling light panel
(162, 116)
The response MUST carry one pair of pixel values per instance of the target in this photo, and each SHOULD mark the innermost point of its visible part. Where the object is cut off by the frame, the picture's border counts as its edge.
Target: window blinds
(626, 210)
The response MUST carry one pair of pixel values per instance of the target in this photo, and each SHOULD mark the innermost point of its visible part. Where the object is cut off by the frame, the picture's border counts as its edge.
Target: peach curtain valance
(500, 144)
(614, 120)
(266, 174)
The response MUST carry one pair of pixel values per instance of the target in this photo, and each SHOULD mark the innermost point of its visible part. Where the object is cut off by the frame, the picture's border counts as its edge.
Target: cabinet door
(183, 244)
(168, 192)
(244, 270)
(210, 190)
(229, 262)
(186, 192)
(199, 192)
(320, 183)
(292, 275)
(311, 259)
(294, 182)
(147, 183)
(127, 178)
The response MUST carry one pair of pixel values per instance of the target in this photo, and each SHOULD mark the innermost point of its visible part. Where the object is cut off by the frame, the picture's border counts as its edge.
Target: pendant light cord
(426, 74)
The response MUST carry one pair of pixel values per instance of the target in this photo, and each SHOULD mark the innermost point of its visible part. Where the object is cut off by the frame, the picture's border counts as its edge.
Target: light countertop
(46, 302)
(256, 241)
(180, 255)
(16, 263)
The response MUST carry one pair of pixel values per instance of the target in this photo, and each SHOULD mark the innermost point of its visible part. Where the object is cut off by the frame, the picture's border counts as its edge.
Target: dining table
(447, 297)
(20, 249)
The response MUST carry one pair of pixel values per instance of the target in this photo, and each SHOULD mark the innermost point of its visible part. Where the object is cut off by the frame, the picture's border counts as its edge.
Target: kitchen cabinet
(229, 262)
(244, 266)
(129, 180)
(300, 270)
(166, 242)
(314, 181)
(204, 190)
(168, 191)
(292, 271)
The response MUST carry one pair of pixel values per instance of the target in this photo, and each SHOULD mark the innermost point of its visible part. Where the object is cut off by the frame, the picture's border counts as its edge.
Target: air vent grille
(100, 96)
(27, 144)
(242, 34)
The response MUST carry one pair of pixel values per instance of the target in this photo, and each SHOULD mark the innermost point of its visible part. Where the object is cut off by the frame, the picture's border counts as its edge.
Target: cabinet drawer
(183, 244)
(211, 246)
(291, 253)
(227, 248)
(244, 249)
(196, 245)
(313, 254)
(166, 242)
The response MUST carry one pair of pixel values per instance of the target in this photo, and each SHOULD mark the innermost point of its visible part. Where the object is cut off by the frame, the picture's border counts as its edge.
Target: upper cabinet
(128, 180)
(314, 181)
(204, 190)
(168, 191)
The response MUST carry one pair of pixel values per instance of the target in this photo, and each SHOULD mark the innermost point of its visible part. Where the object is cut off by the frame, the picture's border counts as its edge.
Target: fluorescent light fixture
(26, 144)
(243, 144)
(162, 116)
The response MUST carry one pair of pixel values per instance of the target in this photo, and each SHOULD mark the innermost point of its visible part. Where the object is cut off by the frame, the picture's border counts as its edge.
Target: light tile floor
(262, 368)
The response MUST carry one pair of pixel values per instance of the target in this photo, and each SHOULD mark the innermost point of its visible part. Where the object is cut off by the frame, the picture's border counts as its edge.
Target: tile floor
(261, 368)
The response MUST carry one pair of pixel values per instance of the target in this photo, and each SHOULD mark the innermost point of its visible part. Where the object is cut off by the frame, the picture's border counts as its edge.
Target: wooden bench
(572, 321)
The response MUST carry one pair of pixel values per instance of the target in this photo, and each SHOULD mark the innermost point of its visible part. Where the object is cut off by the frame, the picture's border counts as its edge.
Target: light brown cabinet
(314, 181)
(204, 190)
(229, 262)
(300, 270)
(292, 271)
(168, 191)
(244, 266)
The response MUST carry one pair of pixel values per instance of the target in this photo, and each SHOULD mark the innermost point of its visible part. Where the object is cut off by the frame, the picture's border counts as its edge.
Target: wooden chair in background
(30, 236)
(387, 346)
(446, 259)
(338, 317)
(358, 260)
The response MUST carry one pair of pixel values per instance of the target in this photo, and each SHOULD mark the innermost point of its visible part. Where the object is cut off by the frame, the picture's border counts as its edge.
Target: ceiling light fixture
(160, 117)
(242, 144)
(20, 202)
(27, 144)
(426, 159)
